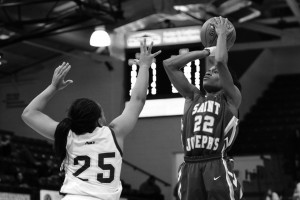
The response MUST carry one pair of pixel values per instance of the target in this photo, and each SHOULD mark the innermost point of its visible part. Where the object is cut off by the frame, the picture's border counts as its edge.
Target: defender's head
(85, 115)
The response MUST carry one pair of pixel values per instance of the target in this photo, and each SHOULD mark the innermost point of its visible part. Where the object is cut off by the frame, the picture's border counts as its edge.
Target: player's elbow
(138, 99)
(142, 100)
(25, 115)
(167, 64)
(221, 61)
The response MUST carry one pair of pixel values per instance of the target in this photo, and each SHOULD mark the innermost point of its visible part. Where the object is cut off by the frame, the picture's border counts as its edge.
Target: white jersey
(93, 165)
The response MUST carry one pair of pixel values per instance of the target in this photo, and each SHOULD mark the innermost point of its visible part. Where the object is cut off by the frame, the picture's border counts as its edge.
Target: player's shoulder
(98, 133)
(109, 132)
(198, 94)
(189, 102)
(233, 109)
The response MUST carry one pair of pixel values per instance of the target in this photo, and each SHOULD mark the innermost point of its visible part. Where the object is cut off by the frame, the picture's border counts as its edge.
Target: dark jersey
(208, 126)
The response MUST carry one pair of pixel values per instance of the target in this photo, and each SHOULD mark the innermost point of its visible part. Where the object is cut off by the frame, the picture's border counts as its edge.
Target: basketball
(209, 37)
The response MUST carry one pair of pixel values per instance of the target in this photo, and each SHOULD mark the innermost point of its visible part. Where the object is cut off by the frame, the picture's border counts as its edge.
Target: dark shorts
(208, 180)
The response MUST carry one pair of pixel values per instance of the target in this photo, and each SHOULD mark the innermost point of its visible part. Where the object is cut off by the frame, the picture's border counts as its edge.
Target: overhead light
(181, 8)
(253, 14)
(244, 14)
(3, 62)
(232, 6)
(4, 37)
(238, 10)
(5, 34)
(100, 38)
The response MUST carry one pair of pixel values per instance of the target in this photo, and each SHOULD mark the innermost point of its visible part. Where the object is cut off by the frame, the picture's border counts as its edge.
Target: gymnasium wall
(92, 79)
(268, 64)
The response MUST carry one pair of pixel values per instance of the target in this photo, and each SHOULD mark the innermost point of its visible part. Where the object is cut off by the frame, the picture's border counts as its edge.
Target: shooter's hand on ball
(222, 26)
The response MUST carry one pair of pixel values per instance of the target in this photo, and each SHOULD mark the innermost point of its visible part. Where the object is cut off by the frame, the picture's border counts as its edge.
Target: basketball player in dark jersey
(90, 151)
(209, 124)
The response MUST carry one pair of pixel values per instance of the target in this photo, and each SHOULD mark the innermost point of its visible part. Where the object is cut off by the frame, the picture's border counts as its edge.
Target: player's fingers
(60, 68)
(141, 46)
(224, 21)
(226, 24)
(144, 45)
(68, 82)
(216, 20)
(156, 53)
(56, 70)
(219, 20)
(66, 69)
(150, 47)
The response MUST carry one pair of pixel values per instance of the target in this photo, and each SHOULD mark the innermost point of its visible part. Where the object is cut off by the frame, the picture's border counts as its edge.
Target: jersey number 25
(87, 164)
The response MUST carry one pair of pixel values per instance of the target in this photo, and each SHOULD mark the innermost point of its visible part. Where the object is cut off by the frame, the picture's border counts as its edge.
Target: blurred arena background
(37, 35)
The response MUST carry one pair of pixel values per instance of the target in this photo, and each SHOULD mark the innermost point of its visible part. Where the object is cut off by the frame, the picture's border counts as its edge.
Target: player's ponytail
(60, 138)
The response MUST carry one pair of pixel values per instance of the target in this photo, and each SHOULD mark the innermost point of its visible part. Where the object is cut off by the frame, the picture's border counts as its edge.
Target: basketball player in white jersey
(91, 153)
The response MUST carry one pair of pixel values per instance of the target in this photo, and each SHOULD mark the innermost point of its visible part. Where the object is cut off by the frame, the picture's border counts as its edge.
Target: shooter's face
(211, 80)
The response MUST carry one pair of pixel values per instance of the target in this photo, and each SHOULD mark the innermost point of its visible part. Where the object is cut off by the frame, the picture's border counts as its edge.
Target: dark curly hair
(83, 117)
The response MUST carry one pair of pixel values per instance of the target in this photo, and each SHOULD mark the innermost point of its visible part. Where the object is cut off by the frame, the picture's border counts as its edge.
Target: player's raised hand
(58, 79)
(222, 26)
(146, 58)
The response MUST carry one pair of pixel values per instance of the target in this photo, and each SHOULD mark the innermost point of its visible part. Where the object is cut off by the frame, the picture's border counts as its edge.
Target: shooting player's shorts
(207, 178)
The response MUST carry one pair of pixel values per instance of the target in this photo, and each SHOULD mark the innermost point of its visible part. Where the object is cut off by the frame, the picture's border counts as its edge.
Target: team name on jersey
(202, 142)
(207, 106)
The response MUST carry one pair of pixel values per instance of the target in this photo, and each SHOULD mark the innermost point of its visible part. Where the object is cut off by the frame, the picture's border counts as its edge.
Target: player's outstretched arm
(221, 57)
(33, 114)
(125, 123)
(175, 63)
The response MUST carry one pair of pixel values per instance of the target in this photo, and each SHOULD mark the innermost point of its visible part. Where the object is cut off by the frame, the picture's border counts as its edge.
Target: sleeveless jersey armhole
(189, 102)
(115, 140)
(238, 111)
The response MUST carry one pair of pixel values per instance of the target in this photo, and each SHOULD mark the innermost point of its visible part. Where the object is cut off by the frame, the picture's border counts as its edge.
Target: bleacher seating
(272, 123)
(31, 157)
(272, 127)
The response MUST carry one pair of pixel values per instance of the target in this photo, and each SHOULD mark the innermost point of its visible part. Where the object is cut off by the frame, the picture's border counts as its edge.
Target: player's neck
(213, 92)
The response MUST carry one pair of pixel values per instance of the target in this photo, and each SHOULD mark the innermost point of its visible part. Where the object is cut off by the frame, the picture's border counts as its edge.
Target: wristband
(208, 51)
(211, 50)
